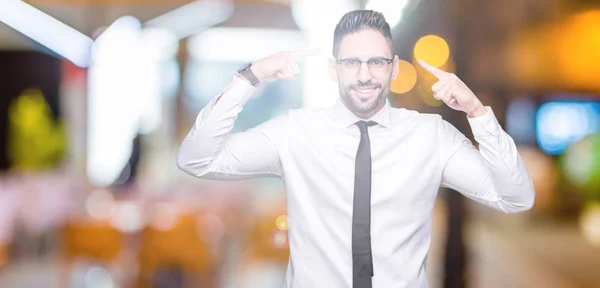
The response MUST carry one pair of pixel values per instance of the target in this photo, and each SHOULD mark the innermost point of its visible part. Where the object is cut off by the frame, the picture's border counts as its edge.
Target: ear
(396, 69)
(333, 72)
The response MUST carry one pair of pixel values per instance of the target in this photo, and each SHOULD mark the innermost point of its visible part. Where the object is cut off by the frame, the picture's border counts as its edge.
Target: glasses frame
(342, 61)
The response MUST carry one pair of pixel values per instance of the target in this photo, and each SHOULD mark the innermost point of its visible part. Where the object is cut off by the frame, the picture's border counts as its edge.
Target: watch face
(245, 67)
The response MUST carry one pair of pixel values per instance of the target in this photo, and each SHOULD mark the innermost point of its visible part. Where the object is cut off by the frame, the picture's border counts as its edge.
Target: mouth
(365, 93)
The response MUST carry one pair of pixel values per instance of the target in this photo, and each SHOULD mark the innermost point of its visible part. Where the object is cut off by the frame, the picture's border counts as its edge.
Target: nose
(364, 74)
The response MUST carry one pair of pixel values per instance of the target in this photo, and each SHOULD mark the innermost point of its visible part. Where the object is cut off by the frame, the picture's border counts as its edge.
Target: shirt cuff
(238, 91)
(485, 125)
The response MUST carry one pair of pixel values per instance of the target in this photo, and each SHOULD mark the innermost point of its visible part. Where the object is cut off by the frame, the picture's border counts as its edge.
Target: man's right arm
(210, 151)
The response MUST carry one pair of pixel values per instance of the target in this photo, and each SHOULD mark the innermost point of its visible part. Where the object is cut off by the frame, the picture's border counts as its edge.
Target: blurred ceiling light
(113, 102)
(49, 32)
(317, 20)
(160, 44)
(193, 17)
(223, 44)
(392, 10)
(318, 16)
(126, 85)
(124, 29)
(432, 49)
(406, 80)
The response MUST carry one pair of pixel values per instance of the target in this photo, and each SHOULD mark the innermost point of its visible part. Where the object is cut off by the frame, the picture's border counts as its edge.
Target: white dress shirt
(313, 152)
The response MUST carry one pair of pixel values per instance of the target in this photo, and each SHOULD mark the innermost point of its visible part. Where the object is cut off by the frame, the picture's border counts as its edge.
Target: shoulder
(403, 117)
(309, 114)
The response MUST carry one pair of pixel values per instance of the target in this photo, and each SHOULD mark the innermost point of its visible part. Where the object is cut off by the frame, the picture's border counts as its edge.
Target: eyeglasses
(377, 66)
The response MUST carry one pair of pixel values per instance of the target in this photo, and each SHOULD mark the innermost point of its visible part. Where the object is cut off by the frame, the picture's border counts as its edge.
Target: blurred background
(96, 96)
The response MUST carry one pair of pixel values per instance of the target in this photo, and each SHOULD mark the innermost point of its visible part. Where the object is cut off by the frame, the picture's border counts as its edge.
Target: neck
(366, 115)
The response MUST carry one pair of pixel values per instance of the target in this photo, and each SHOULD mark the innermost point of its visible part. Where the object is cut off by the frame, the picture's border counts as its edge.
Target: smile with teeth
(365, 90)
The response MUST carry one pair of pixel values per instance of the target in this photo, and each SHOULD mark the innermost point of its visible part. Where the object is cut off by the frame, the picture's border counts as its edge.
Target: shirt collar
(347, 118)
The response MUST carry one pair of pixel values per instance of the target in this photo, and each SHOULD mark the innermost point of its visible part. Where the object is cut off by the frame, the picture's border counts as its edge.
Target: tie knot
(363, 125)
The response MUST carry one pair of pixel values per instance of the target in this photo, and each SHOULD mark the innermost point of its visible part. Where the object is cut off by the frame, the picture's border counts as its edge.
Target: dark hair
(357, 20)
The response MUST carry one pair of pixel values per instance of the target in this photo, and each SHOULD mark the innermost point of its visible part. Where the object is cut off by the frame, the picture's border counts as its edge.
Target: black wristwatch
(247, 72)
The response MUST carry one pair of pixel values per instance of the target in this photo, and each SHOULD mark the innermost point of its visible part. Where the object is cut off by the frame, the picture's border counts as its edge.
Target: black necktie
(362, 260)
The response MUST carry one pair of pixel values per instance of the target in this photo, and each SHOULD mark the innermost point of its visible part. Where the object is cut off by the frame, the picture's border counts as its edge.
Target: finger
(437, 86)
(439, 89)
(432, 69)
(300, 54)
(288, 72)
(294, 65)
(452, 101)
(444, 93)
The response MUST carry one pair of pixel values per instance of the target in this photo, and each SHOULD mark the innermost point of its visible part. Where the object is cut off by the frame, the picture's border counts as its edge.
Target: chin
(364, 107)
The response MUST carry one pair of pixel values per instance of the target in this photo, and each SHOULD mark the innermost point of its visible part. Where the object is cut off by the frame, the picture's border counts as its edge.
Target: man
(361, 177)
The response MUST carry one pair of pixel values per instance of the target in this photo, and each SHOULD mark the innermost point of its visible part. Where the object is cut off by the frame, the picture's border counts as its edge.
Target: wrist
(248, 74)
(478, 111)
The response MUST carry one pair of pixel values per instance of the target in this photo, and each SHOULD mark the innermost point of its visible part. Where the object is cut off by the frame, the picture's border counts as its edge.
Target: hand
(283, 65)
(454, 92)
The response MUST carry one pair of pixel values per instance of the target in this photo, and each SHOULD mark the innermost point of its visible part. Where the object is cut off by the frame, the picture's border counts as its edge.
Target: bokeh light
(426, 80)
(581, 165)
(100, 204)
(432, 49)
(128, 217)
(98, 277)
(164, 216)
(406, 80)
(543, 172)
(559, 124)
(282, 222)
(279, 239)
(590, 223)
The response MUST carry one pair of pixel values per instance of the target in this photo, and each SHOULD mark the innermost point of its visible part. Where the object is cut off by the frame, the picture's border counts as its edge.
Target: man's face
(364, 86)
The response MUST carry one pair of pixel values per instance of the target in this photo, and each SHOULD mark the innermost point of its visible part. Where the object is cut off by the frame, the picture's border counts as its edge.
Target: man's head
(363, 63)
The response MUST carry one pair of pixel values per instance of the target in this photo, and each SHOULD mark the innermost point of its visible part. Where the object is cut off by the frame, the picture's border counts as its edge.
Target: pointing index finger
(300, 54)
(432, 69)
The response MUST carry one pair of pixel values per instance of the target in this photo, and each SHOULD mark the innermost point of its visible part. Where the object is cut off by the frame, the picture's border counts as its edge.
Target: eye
(351, 63)
(377, 62)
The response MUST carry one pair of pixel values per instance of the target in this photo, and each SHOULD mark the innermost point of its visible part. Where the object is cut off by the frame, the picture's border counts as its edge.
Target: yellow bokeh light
(406, 80)
(432, 49)
(426, 80)
(282, 222)
(279, 239)
(590, 223)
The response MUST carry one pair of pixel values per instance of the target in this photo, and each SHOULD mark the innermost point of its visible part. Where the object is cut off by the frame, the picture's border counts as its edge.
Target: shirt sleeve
(495, 174)
(210, 151)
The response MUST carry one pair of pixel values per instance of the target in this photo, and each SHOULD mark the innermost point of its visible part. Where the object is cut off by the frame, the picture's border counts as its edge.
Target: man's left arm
(494, 175)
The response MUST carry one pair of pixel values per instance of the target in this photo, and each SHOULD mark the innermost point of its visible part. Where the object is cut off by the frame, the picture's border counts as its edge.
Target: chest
(405, 165)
